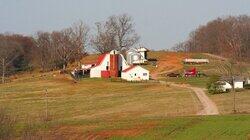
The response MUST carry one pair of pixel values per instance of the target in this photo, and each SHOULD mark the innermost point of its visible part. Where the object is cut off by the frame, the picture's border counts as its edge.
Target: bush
(214, 89)
(247, 86)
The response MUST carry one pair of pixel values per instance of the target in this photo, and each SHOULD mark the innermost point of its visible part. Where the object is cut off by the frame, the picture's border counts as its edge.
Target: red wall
(114, 65)
(105, 74)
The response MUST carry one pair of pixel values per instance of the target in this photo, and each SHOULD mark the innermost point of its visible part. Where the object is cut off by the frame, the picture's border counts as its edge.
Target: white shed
(135, 73)
(238, 84)
(224, 86)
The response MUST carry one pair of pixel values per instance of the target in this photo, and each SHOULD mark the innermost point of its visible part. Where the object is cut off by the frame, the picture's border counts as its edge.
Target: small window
(135, 74)
(145, 74)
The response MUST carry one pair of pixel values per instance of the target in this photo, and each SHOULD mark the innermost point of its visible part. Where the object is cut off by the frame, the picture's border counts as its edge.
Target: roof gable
(132, 67)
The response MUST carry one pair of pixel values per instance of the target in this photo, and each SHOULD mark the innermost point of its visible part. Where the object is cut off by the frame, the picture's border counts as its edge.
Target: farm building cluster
(228, 83)
(114, 64)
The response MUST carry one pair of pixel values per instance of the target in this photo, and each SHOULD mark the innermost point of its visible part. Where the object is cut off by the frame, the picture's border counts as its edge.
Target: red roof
(100, 59)
(129, 68)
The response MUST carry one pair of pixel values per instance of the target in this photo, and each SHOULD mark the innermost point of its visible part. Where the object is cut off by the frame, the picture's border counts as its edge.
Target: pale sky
(160, 23)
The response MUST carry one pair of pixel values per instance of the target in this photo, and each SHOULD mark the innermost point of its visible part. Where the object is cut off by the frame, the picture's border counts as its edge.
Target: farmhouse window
(145, 74)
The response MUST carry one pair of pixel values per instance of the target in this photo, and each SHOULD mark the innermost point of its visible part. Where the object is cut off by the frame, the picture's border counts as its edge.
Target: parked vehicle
(190, 73)
(173, 75)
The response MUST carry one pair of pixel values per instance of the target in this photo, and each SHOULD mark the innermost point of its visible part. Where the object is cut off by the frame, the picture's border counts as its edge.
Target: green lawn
(197, 128)
(194, 81)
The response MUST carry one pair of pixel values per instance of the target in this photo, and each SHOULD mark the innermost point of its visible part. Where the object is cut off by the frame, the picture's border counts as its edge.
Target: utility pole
(46, 104)
(3, 74)
(234, 98)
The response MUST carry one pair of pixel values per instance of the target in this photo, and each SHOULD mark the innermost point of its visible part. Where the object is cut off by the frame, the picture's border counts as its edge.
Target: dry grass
(95, 98)
(168, 61)
(225, 102)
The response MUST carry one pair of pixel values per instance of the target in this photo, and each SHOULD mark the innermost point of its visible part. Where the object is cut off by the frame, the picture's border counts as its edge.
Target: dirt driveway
(209, 107)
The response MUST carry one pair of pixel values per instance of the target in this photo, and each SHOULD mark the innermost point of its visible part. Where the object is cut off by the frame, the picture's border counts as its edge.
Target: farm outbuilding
(224, 86)
(109, 65)
(247, 81)
(113, 64)
(195, 61)
(238, 84)
(137, 56)
(135, 73)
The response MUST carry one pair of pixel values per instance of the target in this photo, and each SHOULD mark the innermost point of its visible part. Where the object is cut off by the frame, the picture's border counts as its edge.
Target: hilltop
(168, 62)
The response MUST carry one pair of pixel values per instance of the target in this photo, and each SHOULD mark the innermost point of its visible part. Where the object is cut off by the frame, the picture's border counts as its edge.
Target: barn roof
(100, 59)
(129, 68)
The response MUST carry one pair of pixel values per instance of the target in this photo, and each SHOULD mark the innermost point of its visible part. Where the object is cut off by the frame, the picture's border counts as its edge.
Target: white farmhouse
(135, 73)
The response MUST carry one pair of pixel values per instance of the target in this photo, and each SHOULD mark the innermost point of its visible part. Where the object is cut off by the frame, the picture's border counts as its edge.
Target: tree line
(56, 49)
(228, 37)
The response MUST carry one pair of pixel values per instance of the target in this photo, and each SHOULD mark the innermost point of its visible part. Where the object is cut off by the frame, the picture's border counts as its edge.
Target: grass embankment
(92, 99)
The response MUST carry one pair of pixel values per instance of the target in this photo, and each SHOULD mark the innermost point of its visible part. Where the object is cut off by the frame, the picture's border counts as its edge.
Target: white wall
(142, 55)
(123, 62)
(96, 71)
(238, 85)
(136, 74)
(226, 86)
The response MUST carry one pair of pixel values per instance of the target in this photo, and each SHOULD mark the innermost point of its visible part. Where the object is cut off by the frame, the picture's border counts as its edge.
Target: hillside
(86, 110)
(87, 102)
(111, 109)
(172, 62)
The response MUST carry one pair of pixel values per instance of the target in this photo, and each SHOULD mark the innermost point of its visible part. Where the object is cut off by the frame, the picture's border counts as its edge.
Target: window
(145, 74)
(107, 67)
(135, 74)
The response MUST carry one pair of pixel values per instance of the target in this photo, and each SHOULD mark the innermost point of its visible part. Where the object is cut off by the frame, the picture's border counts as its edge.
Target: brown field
(91, 100)
(225, 102)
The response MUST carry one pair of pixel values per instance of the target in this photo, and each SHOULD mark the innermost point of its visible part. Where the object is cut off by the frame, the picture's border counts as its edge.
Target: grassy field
(196, 128)
(93, 99)
(193, 81)
(105, 109)
(225, 102)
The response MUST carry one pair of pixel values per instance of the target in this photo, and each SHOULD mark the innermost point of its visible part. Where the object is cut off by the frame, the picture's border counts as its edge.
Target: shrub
(247, 86)
(214, 89)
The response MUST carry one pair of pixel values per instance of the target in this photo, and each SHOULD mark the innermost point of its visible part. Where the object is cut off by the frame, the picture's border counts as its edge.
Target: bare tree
(233, 66)
(70, 43)
(60, 47)
(9, 51)
(104, 41)
(116, 33)
(80, 36)
(45, 55)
